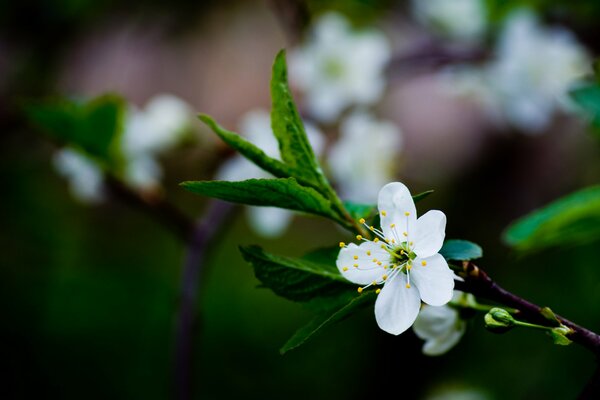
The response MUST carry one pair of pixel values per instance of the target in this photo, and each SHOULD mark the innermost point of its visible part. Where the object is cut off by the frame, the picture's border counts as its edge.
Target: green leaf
(296, 279)
(248, 150)
(559, 337)
(281, 192)
(92, 126)
(571, 220)
(460, 250)
(422, 195)
(325, 319)
(288, 127)
(588, 98)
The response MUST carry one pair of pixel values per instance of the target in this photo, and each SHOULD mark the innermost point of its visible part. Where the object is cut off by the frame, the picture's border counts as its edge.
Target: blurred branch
(293, 17)
(204, 233)
(591, 391)
(157, 208)
(480, 284)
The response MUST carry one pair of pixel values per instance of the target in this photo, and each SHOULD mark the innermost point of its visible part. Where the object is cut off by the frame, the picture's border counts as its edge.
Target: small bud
(550, 316)
(498, 320)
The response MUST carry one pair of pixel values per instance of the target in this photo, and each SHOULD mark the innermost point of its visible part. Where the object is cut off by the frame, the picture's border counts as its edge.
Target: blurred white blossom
(150, 132)
(365, 157)
(533, 69)
(527, 80)
(456, 19)
(83, 174)
(255, 125)
(441, 327)
(339, 66)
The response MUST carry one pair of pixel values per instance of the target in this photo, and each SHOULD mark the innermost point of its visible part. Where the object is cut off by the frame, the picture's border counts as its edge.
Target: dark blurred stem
(204, 233)
(477, 282)
(156, 208)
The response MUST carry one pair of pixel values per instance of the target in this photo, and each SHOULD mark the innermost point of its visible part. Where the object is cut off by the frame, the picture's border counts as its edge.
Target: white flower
(84, 175)
(339, 66)
(440, 326)
(256, 126)
(458, 19)
(405, 251)
(365, 156)
(533, 69)
(150, 132)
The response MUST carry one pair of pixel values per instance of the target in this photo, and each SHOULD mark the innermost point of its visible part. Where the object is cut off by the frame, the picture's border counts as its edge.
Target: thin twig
(199, 242)
(480, 284)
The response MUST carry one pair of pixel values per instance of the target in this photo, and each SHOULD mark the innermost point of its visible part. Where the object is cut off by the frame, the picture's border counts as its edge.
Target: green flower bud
(498, 320)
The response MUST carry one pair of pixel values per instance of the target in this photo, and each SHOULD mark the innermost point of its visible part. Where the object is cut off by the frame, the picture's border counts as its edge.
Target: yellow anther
(387, 241)
(345, 269)
(384, 277)
(383, 213)
(408, 267)
(359, 290)
(405, 233)
(385, 267)
(376, 240)
(355, 257)
(362, 220)
(372, 228)
(408, 285)
(407, 213)
(423, 263)
(392, 226)
(358, 237)
(410, 243)
(401, 252)
(342, 244)
(377, 291)
(383, 246)
(374, 260)
(374, 283)
(394, 241)
(378, 262)
(368, 253)
(355, 265)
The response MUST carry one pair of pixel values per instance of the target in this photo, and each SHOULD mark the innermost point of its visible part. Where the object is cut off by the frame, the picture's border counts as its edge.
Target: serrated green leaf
(571, 220)
(280, 192)
(248, 150)
(460, 250)
(92, 126)
(288, 127)
(325, 319)
(588, 98)
(296, 279)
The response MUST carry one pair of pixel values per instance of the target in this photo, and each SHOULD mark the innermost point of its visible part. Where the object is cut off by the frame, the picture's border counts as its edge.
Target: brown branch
(480, 284)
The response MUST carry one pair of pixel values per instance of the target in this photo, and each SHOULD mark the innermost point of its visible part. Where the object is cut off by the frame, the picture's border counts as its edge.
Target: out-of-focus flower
(365, 156)
(407, 251)
(457, 19)
(533, 69)
(441, 327)
(83, 174)
(339, 66)
(458, 393)
(255, 125)
(150, 132)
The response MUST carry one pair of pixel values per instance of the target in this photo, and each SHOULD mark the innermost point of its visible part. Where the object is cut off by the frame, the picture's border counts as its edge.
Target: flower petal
(395, 201)
(429, 233)
(363, 270)
(397, 306)
(434, 280)
(435, 322)
(444, 343)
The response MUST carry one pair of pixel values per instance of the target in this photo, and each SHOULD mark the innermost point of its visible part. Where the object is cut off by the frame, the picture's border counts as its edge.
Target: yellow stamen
(368, 253)
(423, 263)
(383, 213)
(410, 243)
(355, 265)
(342, 244)
(408, 285)
(376, 240)
(362, 220)
(374, 260)
(373, 283)
(407, 213)
(384, 277)
(408, 267)
(377, 291)
(405, 234)
(358, 237)
(359, 290)
(345, 269)
(355, 257)
(392, 226)
(378, 262)
(372, 228)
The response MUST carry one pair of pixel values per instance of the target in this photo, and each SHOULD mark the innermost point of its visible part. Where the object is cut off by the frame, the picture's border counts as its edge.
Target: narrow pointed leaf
(296, 279)
(327, 318)
(282, 192)
(248, 150)
(288, 127)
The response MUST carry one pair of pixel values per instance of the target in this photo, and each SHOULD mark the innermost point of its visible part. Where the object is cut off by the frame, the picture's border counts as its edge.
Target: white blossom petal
(362, 270)
(442, 344)
(434, 279)
(269, 221)
(435, 321)
(429, 233)
(397, 306)
(395, 201)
